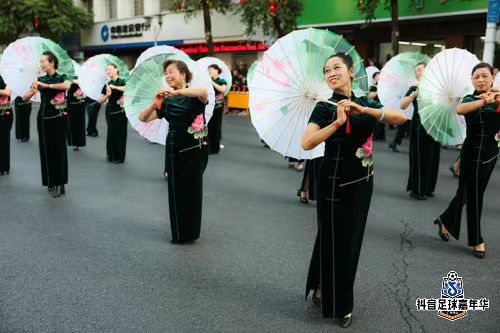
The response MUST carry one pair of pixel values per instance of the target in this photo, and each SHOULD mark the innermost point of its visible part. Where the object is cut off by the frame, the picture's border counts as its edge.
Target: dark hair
(482, 65)
(181, 66)
(346, 59)
(51, 58)
(423, 63)
(375, 74)
(116, 67)
(216, 67)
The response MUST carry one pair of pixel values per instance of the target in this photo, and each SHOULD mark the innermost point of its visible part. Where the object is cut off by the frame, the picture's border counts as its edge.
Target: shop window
(113, 10)
(169, 5)
(138, 7)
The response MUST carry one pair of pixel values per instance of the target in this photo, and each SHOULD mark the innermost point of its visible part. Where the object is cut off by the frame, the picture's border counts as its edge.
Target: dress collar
(339, 96)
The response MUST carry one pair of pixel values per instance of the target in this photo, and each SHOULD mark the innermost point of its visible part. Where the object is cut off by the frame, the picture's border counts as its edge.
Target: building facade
(426, 26)
(128, 27)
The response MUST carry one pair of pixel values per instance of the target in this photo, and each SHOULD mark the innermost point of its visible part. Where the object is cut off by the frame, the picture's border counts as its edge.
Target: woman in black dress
(93, 108)
(478, 157)
(186, 148)
(424, 150)
(52, 124)
(112, 92)
(345, 185)
(215, 123)
(22, 119)
(373, 94)
(76, 110)
(6, 119)
(308, 186)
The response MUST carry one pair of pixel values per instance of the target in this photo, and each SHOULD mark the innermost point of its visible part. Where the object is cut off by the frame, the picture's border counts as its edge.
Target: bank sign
(123, 31)
(494, 11)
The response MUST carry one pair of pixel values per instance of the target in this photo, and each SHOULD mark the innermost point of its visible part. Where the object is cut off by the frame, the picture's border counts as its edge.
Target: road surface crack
(398, 285)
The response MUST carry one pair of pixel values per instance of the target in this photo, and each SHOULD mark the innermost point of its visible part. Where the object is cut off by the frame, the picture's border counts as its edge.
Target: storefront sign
(120, 31)
(494, 11)
(223, 47)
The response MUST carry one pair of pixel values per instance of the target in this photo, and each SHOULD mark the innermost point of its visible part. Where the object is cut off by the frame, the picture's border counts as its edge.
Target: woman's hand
(488, 97)
(158, 100)
(342, 110)
(414, 94)
(34, 86)
(168, 92)
(41, 85)
(497, 98)
(173, 92)
(350, 106)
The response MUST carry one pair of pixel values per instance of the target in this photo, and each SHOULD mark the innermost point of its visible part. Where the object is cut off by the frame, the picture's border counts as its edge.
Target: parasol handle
(319, 99)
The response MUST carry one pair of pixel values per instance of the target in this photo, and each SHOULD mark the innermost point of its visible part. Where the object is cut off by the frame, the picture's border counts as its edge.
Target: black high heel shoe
(452, 169)
(57, 192)
(316, 300)
(417, 196)
(63, 190)
(344, 322)
(478, 254)
(303, 200)
(392, 145)
(444, 235)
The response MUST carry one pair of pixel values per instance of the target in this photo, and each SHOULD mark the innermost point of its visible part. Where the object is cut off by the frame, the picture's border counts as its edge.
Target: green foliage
(367, 7)
(55, 16)
(257, 17)
(191, 7)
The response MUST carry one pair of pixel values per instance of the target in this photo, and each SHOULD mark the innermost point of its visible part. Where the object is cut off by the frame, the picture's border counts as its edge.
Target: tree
(192, 7)
(367, 7)
(49, 18)
(272, 18)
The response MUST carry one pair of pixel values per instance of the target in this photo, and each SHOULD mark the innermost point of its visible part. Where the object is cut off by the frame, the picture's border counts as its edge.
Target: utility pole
(491, 31)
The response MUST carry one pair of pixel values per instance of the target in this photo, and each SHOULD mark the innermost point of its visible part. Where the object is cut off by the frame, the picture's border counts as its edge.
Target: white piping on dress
(331, 223)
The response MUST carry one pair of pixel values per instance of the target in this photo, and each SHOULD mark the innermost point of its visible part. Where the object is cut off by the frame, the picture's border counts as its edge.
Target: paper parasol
(285, 82)
(93, 74)
(396, 78)
(226, 72)
(20, 63)
(251, 70)
(370, 70)
(143, 85)
(155, 50)
(77, 67)
(444, 83)
(496, 83)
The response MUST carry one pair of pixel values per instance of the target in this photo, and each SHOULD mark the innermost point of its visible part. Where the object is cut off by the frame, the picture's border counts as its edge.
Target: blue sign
(493, 11)
(105, 33)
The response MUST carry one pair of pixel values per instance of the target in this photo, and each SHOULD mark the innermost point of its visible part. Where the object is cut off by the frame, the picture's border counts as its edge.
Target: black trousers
(215, 130)
(403, 130)
(473, 179)
(93, 109)
(23, 113)
(5, 127)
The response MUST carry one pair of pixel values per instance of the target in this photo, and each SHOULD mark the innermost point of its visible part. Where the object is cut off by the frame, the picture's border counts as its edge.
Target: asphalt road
(99, 259)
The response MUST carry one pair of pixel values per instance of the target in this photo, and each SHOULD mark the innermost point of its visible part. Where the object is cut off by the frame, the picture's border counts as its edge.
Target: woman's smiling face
(482, 79)
(174, 77)
(337, 74)
(419, 70)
